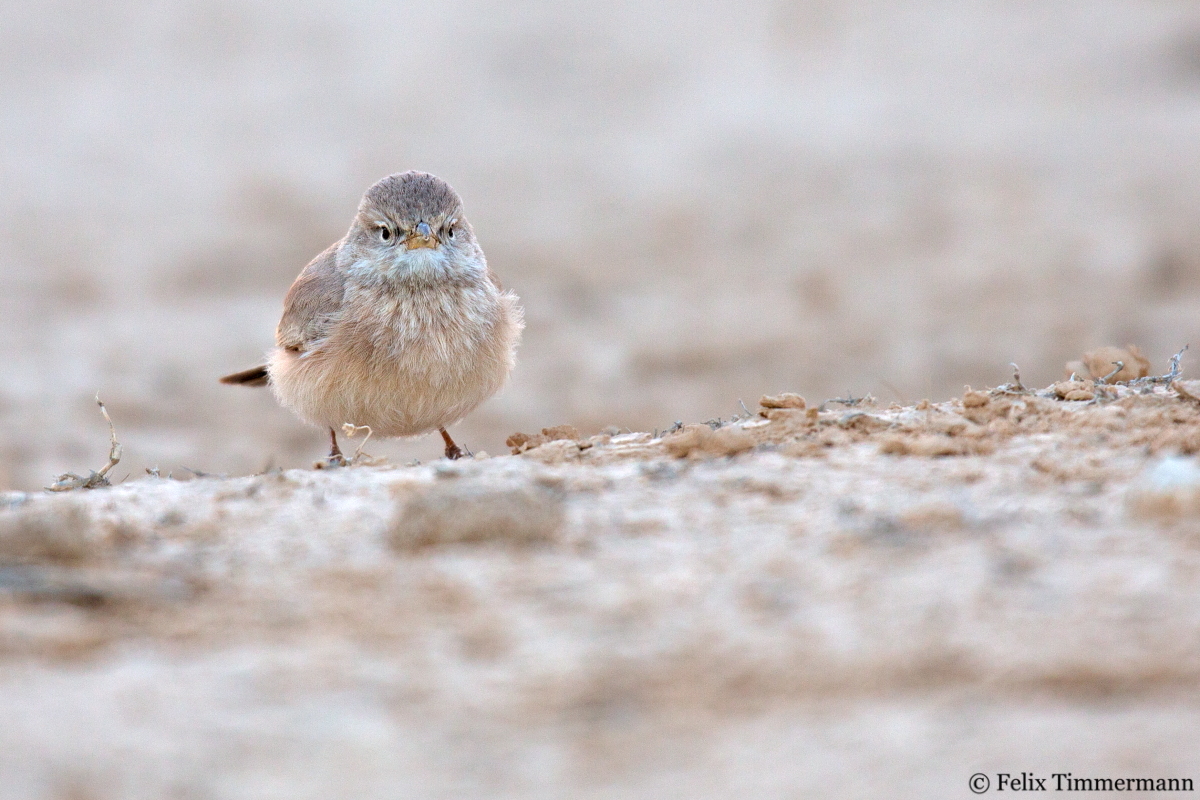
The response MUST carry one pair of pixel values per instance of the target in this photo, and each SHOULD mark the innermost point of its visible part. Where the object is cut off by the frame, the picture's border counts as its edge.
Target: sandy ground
(699, 203)
(865, 600)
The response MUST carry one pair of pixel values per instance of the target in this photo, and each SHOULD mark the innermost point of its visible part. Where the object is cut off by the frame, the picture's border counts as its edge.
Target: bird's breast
(434, 327)
(404, 362)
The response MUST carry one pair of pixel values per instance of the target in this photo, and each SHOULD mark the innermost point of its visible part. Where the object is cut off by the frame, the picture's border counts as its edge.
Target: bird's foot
(453, 451)
(332, 461)
(335, 458)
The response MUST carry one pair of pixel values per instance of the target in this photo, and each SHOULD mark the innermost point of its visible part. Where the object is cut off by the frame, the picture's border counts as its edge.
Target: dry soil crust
(588, 599)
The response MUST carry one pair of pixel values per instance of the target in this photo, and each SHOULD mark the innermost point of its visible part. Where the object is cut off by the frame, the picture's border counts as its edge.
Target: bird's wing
(312, 304)
(491, 276)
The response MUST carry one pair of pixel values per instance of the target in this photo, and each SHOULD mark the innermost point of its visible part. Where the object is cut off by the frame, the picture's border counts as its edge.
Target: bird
(399, 327)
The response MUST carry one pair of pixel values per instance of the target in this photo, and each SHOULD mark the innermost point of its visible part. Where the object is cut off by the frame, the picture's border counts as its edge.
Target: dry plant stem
(1016, 387)
(352, 430)
(114, 447)
(1120, 365)
(848, 400)
(1174, 370)
(1017, 376)
(199, 473)
(68, 481)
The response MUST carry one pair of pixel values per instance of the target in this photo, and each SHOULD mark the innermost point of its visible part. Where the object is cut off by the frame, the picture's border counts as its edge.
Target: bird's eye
(385, 233)
(451, 227)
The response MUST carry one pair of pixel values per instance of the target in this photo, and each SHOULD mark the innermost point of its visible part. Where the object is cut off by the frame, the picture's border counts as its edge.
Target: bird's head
(411, 224)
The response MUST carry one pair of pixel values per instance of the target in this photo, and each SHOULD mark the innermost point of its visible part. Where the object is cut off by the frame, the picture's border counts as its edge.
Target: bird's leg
(453, 451)
(335, 458)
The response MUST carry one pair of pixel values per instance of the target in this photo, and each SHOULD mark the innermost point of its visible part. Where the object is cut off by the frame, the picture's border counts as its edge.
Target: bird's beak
(421, 237)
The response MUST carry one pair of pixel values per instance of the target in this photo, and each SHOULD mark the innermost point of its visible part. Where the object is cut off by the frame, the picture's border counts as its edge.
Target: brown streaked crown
(412, 196)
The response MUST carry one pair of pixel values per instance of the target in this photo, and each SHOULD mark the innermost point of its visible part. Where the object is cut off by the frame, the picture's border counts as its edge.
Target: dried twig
(1120, 365)
(1017, 376)
(678, 425)
(1016, 387)
(848, 400)
(199, 473)
(350, 430)
(1174, 370)
(69, 480)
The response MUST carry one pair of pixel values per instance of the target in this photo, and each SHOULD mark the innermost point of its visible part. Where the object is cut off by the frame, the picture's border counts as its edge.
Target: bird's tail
(249, 377)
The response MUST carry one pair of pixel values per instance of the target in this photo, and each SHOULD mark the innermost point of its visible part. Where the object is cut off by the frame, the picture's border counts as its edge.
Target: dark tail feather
(248, 377)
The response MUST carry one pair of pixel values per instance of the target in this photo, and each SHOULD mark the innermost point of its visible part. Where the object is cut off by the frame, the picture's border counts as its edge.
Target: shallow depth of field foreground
(850, 599)
(698, 203)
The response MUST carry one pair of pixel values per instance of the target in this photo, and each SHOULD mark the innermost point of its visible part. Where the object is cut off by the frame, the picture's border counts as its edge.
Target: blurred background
(697, 202)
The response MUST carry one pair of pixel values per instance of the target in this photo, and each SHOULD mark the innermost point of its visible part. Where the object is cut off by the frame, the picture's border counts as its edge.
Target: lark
(399, 327)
